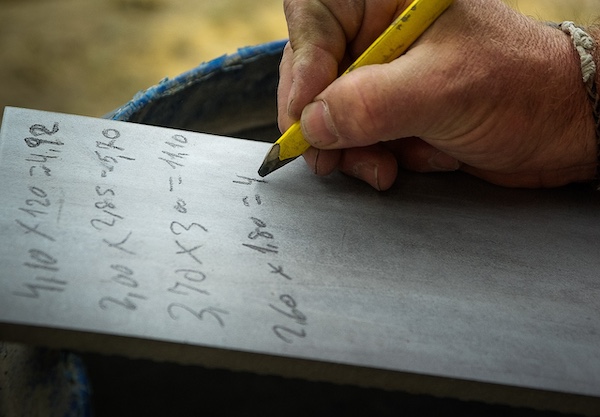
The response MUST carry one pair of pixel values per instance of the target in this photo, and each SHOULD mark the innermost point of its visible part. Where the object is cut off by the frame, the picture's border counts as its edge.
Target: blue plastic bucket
(234, 95)
(38, 382)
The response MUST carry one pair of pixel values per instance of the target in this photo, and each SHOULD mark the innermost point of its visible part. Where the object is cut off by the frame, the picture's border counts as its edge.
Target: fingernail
(317, 125)
(443, 162)
(368, 172)
(291, 99)
(311, 156)
(316, 166)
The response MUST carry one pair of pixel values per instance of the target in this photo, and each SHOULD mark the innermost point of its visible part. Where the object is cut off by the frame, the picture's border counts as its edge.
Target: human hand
(484, 90)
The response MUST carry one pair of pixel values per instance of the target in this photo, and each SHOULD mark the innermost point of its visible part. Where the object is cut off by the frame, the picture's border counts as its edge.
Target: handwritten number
(94, 221)
(103, 193)
(125, 280)
(257, 233)
(295, 314)
(106, 158)
(175, 289)
(38, 192)
(180, 138)
(280, 332)
(33, 290)
(35, 142)
(111, 133)
(44, 203)
(258, 222)
(42, 257)
(39, 130)
(122, 269)
(212, 311)
(101, 205)
(187, 272)
(175, 225)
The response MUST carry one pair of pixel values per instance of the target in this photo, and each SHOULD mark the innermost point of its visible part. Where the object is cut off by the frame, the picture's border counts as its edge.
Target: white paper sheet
(125, 229)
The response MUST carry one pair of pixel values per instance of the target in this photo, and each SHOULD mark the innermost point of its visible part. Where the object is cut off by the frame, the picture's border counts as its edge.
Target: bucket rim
(168, 86)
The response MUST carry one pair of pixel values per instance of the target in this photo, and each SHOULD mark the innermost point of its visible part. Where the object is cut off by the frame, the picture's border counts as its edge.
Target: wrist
(583, 44)
(593, 91)
(594, 32)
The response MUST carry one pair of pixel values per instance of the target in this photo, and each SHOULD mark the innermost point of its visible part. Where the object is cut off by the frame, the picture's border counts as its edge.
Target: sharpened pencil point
(272, 161)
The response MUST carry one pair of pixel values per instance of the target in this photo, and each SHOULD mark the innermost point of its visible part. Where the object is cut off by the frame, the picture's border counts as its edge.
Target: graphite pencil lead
(272, 161)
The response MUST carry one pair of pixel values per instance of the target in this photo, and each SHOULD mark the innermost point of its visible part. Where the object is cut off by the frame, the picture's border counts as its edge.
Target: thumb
(370, 104)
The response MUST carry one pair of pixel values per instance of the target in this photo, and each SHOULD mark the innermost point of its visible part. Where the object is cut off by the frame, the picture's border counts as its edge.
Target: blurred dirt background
(90, 56)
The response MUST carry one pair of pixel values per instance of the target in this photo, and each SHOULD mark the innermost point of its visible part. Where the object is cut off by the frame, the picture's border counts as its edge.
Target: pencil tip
(272, 162)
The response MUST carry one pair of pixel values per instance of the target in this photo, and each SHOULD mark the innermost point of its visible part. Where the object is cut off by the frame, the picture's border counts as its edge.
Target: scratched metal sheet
(126, 229)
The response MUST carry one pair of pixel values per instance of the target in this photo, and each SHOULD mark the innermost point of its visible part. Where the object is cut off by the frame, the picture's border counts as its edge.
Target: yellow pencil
(390, 45)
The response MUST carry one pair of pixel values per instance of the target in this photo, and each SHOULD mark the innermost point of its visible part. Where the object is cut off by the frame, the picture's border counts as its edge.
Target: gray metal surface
(151, 233)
